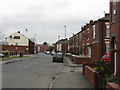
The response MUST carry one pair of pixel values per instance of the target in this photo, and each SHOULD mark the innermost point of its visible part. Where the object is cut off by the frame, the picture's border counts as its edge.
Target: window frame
(107, 35)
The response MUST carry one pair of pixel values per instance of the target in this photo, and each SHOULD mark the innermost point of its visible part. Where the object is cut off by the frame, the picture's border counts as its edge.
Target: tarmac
(70, 77)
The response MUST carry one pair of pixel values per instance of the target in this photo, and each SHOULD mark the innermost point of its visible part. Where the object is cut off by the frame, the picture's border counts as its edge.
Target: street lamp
(65, 32)
(58, 37)
(66, 42)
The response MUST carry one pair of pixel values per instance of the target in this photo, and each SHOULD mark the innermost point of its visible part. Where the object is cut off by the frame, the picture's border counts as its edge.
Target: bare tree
(1, 36)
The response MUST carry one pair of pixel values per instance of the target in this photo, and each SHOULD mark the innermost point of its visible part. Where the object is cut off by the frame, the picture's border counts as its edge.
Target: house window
(94, 32)
(16, 37)
(89, 51)
(113, 11)
(107, 47)
(107, 31)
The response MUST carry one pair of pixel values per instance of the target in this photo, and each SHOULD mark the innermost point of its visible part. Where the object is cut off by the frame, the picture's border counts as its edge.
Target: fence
(100, 82)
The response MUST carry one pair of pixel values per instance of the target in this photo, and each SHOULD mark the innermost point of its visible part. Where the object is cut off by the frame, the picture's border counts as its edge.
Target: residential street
(41, 72)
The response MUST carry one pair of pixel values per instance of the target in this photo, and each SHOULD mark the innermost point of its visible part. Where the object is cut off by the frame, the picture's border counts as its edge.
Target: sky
(45, 19)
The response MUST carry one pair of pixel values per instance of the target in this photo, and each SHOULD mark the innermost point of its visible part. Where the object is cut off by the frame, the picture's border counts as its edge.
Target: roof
(106, 18)
(19, 33)
(62, 41)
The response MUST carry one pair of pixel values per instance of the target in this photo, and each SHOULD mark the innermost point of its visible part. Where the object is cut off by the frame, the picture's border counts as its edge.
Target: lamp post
(65, 42)
(58, 47)
(65, 32)
(58, 37)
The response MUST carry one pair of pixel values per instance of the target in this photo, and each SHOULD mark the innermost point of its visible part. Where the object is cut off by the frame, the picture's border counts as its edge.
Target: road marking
(51, 85)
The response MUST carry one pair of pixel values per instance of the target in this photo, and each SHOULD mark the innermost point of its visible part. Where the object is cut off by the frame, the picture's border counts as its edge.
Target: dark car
(57, 57)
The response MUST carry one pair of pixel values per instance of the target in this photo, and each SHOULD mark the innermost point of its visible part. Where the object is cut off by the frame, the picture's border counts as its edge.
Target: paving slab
(71, 78)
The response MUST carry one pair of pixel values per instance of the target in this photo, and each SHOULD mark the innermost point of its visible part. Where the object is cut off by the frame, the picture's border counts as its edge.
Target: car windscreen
(57, 55)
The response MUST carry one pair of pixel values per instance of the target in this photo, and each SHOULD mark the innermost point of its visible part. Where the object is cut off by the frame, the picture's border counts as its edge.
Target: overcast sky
(45, 19)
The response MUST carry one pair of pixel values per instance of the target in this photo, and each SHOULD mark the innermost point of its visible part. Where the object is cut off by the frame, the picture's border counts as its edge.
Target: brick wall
(44, 48)
(112, 86)
(115, 39)
(15, 50)
(90, 74)
(31, 47)
(80, 60)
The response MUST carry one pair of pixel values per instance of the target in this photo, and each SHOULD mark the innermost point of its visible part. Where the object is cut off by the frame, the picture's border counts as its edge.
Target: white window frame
(107, 47)
(89, 51)
(107, 30)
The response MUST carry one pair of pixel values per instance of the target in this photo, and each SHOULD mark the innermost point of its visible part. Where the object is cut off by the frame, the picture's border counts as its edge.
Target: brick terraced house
(115, 35)
(92, 40)
(44, 48)
(61, 46)
(17, 43)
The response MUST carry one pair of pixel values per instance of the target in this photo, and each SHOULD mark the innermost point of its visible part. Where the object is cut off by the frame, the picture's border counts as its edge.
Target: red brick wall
(90, 74)
(44, 48)
(15, 49)
(31, 47)
(87, 64)
(118, 63)
(115, 30)
(55, 47)
(96, 51)
(64, 47)
(112, 86)
(81, 60)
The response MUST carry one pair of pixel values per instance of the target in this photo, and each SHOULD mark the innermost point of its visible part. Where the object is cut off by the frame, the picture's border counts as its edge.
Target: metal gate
(100, 82)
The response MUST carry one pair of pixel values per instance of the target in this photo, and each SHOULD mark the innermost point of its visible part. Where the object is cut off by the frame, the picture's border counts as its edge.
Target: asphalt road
(36, 72)
(41, 72)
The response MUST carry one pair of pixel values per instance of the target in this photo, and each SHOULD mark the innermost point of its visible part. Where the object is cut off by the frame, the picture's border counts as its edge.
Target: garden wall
(90, 74)
(112, 86)
(78, 59)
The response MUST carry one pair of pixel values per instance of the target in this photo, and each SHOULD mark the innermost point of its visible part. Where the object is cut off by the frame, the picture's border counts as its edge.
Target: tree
(45, 43)
(51, 48)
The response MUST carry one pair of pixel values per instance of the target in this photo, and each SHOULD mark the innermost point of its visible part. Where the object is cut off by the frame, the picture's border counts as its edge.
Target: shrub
(6, 53)
(103, 68)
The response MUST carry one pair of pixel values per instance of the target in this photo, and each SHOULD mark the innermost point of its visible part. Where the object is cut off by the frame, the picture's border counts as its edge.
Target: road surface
(41, 72)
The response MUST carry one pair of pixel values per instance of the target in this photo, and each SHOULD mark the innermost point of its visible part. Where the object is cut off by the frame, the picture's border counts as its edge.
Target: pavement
(71, 77)
(68, 79)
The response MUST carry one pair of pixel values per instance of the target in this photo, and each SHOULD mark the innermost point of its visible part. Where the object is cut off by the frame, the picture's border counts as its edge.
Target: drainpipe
(102, 40)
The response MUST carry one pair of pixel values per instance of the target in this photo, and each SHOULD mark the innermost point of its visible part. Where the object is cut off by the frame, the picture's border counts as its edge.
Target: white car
(47, 52)
(2, 55)
(52, 53)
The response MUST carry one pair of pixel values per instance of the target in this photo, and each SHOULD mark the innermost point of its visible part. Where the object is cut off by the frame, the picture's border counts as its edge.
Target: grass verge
(12, 57)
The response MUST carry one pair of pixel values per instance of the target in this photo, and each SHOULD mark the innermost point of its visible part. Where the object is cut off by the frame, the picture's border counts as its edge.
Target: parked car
(106, 57)
(47, 52)
(2, 55)
(57, 57)
(52, 53)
